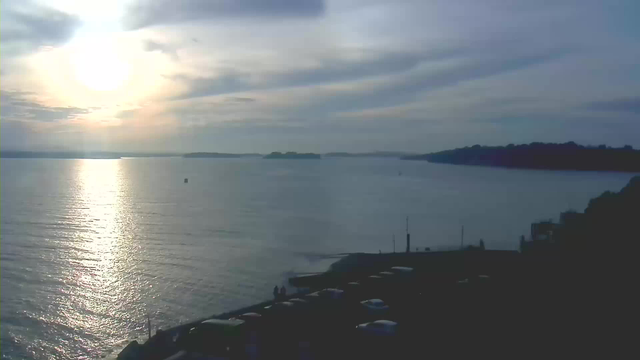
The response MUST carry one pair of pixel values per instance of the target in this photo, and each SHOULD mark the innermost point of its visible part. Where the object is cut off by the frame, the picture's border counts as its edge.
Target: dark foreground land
(454, 304)
(569, 295)
(568, 156)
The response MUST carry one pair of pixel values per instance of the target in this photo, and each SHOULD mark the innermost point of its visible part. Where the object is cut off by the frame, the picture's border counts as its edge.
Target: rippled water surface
(89, 247)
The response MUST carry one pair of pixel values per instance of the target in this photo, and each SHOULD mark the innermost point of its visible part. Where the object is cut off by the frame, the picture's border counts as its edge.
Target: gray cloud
(388, 79)
(229, 81)
(16, 106)
(240, 100)
(371, 64)
(630, 105)
(127, 114)
(149, 13)
(365, 75)
(325, 105)
(404, 89)
(25, 26)
(150, 45)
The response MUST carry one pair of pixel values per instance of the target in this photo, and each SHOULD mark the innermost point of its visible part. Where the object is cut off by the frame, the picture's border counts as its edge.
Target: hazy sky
(313, 75)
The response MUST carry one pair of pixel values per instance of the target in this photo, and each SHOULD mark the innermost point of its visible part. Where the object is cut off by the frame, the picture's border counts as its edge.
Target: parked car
(281, 314)
(254, 332)
(216, 337)
(326, 294)
(353, 291)
(401, 270)
(299, 302)
(279, 306)
(375, 306)
(405, 281)
(379, 327)
(250, 317)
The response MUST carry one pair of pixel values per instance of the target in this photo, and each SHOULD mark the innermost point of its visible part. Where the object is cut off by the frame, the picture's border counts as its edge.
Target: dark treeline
(567, 156)
(610, 223)
(597, 246)
(579, 281)
(611, 219)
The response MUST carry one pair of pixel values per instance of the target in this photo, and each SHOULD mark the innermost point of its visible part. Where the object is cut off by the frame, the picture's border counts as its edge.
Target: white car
(402, 269)
(299, 302)
(329, 294)
(379, 327)
(279, 305)
(375, 306)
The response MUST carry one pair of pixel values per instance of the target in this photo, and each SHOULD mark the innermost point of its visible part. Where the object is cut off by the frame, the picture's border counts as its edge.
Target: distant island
(216, 155)
(376, 154)
(291, 155)
(548, 156)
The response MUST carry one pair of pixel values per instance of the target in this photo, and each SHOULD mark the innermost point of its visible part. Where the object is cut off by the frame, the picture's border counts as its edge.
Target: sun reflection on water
(99, 295)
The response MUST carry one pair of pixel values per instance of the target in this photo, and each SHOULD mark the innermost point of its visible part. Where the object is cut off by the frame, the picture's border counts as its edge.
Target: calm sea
(90, 247)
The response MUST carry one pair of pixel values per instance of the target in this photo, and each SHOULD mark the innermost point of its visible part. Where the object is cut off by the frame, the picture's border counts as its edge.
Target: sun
(99, 67)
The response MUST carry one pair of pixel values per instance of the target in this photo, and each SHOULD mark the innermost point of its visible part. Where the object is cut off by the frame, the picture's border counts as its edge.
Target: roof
(402, 268)
(251, 315)
(333, 290)
(386, 322)
(376, 302)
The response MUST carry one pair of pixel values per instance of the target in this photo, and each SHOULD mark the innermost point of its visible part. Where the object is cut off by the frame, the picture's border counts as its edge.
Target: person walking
(275, 292)
(283, 292)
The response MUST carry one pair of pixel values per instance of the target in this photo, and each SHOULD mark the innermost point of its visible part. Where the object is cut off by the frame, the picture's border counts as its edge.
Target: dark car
(216, 338)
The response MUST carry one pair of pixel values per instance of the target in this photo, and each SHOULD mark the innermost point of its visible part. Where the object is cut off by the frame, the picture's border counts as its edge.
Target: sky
(316, 75)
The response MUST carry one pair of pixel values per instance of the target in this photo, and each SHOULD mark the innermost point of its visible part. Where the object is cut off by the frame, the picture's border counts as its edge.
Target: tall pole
(408, 237)
(149, 324)
(394, 243)
(462, 238)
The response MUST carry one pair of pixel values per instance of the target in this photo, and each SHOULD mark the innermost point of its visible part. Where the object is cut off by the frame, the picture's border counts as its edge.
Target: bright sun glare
(99, 67)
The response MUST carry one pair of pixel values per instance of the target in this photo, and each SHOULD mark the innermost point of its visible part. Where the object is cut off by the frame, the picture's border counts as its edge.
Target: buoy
(186, 180)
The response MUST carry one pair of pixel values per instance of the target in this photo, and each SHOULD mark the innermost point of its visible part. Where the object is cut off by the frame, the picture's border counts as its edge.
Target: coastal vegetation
(550, 156)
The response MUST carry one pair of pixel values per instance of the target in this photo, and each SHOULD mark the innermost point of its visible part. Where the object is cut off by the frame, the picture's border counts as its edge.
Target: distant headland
(547, 156)
(59, 155)
(291, 155)
(24, 154)
(216, 155)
